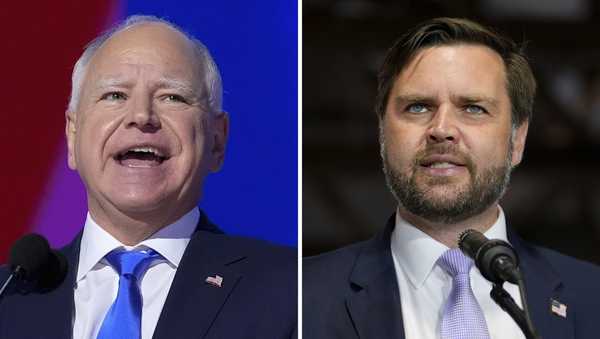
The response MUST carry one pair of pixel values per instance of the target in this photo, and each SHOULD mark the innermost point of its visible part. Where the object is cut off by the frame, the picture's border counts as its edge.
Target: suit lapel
(192, 303)
(374, 307)
(543, 286)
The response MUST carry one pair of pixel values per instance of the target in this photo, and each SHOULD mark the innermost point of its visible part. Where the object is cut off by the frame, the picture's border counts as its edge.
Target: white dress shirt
(425, 287)
(97, 282)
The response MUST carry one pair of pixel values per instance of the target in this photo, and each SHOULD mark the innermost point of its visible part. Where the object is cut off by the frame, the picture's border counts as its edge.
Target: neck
(448, 234)
(130, 231)
(131, 227)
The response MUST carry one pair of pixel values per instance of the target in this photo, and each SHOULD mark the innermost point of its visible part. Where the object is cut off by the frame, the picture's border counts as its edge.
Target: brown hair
(520, 82)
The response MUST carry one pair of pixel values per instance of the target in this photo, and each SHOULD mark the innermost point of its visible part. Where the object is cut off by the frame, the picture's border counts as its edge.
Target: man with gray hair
(144, 128)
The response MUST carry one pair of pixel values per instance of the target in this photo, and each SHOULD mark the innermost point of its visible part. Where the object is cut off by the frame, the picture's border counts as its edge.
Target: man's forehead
(460, 63)
(147, 43)
(459, 52)
(118, 72)
(160, 59)
(155, 79)
(152, 33)
(461, 73)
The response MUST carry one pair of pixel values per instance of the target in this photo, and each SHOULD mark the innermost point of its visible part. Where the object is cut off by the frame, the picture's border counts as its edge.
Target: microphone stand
(8, 281)
(14, 274)
(508, 304)
(498, 262)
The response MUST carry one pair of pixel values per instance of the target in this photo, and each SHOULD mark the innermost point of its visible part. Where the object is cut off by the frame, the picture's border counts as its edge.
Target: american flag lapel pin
(558, 308)
(216, 281)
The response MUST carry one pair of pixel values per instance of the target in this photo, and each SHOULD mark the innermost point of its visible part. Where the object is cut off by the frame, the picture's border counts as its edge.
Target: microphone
(498, 262)
(495, 258)
(33, 262)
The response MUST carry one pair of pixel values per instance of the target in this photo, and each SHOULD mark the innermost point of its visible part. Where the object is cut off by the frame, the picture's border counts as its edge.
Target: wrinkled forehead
(152, 50)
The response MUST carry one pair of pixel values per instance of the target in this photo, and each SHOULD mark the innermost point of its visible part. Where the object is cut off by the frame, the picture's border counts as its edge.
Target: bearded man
(454, 104)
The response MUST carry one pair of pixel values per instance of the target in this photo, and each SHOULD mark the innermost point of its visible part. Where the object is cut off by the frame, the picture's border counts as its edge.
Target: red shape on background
(39, 44)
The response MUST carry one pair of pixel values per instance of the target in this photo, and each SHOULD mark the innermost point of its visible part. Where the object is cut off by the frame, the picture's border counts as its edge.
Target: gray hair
(210, 71)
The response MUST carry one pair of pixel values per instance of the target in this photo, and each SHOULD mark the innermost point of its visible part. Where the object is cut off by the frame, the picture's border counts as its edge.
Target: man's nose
(142, 115)
(443, 127)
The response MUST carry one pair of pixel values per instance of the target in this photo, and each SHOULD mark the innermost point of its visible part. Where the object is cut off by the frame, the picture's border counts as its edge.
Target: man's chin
(439, 203)
(442, 206)
(442, 193)
(425, 181)
(142, 203)
(143, 212)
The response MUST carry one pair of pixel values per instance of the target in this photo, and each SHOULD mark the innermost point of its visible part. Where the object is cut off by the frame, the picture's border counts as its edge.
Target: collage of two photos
(323, 169)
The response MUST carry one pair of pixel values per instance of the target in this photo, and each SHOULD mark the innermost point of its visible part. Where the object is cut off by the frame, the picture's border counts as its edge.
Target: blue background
(255, 46)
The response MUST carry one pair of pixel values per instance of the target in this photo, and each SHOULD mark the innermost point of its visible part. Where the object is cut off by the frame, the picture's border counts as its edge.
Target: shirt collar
(417, 253)
(170, 242)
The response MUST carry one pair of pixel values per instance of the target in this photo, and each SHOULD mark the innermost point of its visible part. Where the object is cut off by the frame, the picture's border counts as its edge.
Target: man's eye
(175, 98)
(112, 96)
(416, 108)
(474, 109)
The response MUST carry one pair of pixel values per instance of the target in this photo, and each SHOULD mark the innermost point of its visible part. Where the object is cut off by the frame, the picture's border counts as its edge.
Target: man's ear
(220, 130)
(518, 139)
(70, 132)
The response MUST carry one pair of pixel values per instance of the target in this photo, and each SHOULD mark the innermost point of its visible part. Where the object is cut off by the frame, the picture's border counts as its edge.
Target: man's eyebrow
(172, 83)
(412, 98)
(111, 82)
(456, 98)
(475, 99)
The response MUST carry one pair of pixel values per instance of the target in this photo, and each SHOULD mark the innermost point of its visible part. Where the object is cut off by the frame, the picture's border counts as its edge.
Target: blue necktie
(463, 317)
(123, 320)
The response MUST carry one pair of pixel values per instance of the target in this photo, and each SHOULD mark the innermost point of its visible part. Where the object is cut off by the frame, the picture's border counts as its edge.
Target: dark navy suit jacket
(353, 292)
(258, 297)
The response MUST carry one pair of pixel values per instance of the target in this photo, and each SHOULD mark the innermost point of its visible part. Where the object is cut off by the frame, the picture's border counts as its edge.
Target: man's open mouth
(441, 165)
(434, 162)
(442, 161)
(141, 156)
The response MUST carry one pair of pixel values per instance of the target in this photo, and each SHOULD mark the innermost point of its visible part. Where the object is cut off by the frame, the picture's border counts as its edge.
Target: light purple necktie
(463, 317)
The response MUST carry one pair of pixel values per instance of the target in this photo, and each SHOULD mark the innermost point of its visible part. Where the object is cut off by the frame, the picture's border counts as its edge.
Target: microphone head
(486, 253)
(34, 262)
(470, 242)
(28, 255)
(54, 271)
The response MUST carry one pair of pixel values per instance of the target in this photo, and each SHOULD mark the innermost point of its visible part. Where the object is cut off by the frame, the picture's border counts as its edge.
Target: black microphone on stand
(495, 258)
(498, 262)
(34, 263)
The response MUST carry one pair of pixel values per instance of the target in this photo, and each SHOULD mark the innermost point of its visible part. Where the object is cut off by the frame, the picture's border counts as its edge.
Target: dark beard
(484, 190)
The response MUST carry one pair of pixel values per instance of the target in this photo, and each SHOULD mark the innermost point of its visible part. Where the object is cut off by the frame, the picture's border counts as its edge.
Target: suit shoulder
(572, 271)
(344, 256)
(4, 273)
(330, 269)
(261, 248)
(258, 257)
